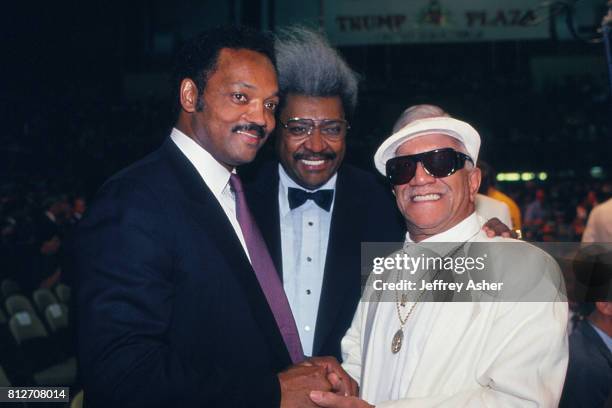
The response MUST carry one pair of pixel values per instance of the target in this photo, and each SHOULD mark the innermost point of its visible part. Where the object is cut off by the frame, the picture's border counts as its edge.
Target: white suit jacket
(477, 354)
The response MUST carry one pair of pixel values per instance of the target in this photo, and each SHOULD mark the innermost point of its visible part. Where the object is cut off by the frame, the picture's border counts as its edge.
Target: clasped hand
(318, 382)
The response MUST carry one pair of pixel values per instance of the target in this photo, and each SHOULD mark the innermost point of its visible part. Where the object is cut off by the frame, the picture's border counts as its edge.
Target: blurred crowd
(36, 218)
(557, 211)
(35, 223)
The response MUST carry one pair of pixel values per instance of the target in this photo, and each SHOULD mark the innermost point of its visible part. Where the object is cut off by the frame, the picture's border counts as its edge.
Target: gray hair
(309, 66)
(417, 112)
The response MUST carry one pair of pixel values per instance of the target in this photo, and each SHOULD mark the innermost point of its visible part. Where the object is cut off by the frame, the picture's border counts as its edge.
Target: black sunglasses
(437, 163)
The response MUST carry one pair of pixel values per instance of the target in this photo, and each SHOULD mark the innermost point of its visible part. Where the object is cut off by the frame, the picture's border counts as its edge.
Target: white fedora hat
(457, 129)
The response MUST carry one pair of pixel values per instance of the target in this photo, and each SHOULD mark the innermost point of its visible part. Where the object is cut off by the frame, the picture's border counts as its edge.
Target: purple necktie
(266, 273)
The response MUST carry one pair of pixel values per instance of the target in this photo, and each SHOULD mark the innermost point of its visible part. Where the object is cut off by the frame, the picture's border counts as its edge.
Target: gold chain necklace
(398, 337)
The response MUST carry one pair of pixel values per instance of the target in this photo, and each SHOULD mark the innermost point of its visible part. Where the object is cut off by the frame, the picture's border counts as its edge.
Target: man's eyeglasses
(329, 128)
(437, 163)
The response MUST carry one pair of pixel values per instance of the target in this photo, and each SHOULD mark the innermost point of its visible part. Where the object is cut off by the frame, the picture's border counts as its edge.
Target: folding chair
(56, 317)
(18, 303)
(63, 293)
(39, 354)
(43, 298)
(9, 287)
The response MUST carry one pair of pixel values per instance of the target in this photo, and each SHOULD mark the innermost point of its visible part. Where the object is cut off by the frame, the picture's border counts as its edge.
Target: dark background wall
(85, 86)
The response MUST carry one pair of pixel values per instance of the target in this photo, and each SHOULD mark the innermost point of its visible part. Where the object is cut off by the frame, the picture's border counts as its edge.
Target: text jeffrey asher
(436, 285)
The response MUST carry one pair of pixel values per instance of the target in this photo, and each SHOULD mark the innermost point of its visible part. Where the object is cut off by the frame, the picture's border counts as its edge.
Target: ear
(188, 94)
(474, 178)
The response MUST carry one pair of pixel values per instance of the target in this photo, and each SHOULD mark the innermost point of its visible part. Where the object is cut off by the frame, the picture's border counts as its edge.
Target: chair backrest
(4, 381)
(18, 303)
(34, 346)
(9, 287)
(26, 326)
(63, 293)
(42, 298)
(56, 315)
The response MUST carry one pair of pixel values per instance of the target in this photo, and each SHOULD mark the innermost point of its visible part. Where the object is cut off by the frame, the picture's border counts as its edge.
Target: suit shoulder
(259, 176)
(138, 185)
(365, 180)
(358, 173)
(585, 355)
(147, 168)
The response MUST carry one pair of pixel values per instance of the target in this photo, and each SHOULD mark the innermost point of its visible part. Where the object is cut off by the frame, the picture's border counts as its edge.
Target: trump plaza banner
(358, 22)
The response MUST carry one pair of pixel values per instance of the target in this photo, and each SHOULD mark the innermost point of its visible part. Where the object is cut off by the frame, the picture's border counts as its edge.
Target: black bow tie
(323, 198)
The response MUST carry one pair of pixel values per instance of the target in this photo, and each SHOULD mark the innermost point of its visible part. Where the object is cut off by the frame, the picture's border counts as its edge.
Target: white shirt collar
(286, 182)
(212, 172)
(466, 229)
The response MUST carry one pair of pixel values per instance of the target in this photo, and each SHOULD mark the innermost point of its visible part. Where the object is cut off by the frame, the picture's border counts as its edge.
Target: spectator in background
(8, 243)
(487, 187)
(79, 205)
(537, 211)
(589, 375)
(49, 234)
(583, 209)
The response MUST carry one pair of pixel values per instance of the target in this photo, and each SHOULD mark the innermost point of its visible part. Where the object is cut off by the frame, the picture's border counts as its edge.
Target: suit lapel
(339, 276)
(207, 211)
(262, 196)
(595, 339)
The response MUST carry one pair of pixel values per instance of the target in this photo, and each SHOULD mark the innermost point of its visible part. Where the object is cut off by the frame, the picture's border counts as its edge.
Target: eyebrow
(249, 86)
(245, 84)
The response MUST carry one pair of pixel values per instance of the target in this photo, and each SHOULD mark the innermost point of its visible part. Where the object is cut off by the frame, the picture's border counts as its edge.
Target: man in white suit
(415, 353)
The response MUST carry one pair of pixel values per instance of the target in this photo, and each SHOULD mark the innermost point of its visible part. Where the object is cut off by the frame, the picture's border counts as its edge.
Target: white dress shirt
(488, 208)
(304, 236)
(214, 175)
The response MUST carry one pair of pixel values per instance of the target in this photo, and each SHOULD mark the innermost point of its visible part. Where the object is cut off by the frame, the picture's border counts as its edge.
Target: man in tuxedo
(178, 302)
(314, 209)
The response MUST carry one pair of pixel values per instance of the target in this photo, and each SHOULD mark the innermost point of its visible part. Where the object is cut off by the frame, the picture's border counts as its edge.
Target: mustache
(259, 130)
(315, 156)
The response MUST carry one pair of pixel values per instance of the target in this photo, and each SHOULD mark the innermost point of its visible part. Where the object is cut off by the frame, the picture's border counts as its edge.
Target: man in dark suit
(315, 210)
(589, 373)
(177, 302)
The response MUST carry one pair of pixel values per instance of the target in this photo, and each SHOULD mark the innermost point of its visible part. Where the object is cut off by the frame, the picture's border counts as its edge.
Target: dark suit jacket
(364, 210)
(589, 373)
(169, 310)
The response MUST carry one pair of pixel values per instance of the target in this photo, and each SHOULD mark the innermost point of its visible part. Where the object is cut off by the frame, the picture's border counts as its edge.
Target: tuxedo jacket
(169, 312)
(589, 373)
(364, 211)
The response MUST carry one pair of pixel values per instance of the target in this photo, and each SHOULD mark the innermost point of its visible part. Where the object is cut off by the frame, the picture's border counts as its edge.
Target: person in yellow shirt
(487, 187)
